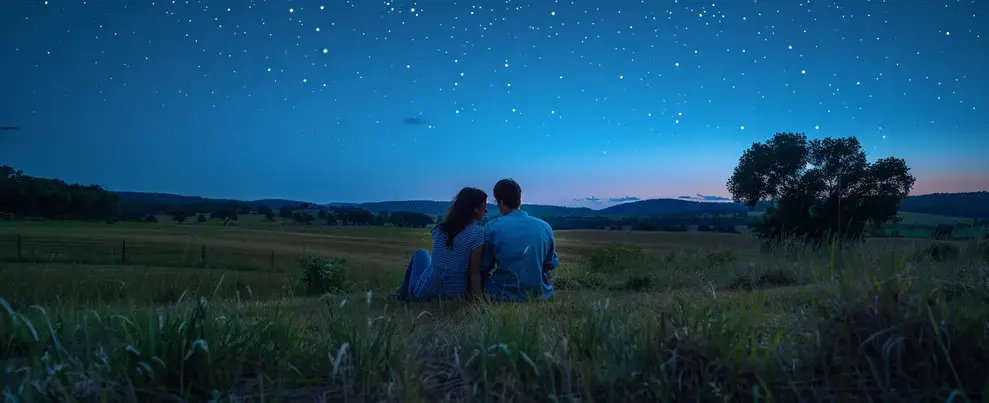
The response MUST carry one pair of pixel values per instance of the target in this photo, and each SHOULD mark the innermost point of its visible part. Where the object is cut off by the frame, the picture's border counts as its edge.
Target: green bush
(320, 276)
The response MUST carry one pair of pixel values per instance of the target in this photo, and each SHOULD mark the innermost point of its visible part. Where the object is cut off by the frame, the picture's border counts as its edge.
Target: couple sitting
(507, 259)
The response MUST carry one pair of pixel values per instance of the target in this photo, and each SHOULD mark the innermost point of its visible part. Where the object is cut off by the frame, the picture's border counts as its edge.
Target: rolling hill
(965, 205)
(670, 206)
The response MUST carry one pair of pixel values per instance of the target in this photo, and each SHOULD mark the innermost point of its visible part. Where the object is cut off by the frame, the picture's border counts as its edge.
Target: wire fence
(39, 249)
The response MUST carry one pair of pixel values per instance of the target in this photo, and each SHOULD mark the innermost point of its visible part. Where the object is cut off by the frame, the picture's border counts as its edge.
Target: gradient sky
(354, 101)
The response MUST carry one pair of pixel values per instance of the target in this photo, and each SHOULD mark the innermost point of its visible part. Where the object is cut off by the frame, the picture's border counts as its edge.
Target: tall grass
(863, 323)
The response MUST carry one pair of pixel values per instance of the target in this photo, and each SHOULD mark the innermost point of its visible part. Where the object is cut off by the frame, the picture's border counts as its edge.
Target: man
(519, 250)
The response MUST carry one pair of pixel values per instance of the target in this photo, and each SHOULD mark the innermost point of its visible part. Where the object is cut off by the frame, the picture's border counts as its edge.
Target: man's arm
(552, 259)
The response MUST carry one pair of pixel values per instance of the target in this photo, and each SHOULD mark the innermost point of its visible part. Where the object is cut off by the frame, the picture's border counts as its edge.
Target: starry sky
(585, 102)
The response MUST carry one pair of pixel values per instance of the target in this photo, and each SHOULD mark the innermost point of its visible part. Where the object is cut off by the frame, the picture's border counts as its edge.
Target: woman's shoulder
(474, 231)
(475, 227)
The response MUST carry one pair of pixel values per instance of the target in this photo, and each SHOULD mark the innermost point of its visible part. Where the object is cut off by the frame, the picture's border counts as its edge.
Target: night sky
(585, 100)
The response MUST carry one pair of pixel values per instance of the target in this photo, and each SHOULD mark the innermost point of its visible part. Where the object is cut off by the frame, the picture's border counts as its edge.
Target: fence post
(123, 251)
(19, 247)
(202, 255)
(272, 259)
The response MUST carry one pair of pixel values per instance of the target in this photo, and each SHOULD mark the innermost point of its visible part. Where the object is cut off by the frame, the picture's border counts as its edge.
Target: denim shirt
(519, 250)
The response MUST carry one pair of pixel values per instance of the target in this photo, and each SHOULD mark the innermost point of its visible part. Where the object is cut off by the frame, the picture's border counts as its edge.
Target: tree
(354, 215)
(26, 196)
(943, 231)
(285, 211)
(269, 215)
(225, 214)
(818, 188)
(408, 219)
(201, 219)
(303, 218)
(179, 216)
(265, 210)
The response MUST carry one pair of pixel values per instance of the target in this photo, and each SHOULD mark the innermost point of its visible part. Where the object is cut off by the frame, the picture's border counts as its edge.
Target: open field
(638, 316)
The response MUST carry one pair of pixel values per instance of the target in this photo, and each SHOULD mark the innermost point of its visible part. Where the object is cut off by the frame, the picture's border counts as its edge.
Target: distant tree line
(27, 196)
(673, 223)
(302, 214)
(974, 205)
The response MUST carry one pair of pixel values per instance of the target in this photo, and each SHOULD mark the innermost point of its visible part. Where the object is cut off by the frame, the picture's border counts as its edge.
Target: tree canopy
(818, 188)
(27, 196)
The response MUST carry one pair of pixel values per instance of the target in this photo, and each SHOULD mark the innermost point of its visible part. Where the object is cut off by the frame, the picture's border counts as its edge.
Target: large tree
(818, 188)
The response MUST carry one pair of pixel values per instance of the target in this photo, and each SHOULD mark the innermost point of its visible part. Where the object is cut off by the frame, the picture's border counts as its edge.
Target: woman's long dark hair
(462, 212)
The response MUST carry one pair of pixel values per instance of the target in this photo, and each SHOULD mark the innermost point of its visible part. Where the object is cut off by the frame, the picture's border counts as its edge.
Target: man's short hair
(509, 193)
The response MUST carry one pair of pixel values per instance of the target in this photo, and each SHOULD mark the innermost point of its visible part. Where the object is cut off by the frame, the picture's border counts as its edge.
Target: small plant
(320, 276)
(939, 252)
(772, 278)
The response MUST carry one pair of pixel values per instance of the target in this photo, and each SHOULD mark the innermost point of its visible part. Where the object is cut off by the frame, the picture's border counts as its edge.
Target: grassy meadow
(637, 316)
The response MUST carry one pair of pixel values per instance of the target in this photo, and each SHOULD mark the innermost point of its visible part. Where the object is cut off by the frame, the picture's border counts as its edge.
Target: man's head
(508, 193)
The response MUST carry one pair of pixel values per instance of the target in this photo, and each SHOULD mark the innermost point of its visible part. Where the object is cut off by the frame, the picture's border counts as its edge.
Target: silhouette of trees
(265, 210)
(408, 219)
(819, 188)
(179, 216)
(27, 196)
(973, 205)
(353, 215)
(303, 218)
(227, 215)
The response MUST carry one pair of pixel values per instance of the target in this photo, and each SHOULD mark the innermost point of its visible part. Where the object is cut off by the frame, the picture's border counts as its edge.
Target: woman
(455, 267)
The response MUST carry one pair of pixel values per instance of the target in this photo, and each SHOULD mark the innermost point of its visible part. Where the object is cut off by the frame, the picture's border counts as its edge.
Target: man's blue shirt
(519, 250)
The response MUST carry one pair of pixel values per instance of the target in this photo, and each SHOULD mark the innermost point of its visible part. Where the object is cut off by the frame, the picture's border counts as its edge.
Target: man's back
(521, 249)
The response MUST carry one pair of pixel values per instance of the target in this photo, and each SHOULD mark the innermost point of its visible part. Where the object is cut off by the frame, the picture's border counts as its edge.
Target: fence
(40, 249)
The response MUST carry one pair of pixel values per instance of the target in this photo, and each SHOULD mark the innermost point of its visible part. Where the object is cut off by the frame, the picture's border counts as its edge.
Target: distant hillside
(644, 207)
(542, 210)
(144, 201)
(670, 206)
(967, 205)
(430, 207)
(961, 205)
(439, 207)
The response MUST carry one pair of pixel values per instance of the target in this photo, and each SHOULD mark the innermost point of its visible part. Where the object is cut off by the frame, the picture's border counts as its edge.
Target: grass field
(638, 316)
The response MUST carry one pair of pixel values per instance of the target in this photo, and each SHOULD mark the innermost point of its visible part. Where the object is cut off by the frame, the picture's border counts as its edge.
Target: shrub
(773, 278)
(939, 252)
(320, 276)
(637, 283)
(580, 279)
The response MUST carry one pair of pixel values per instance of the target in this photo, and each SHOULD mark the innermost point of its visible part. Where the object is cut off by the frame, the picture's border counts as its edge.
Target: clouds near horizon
(623, 199)
(700, 197)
